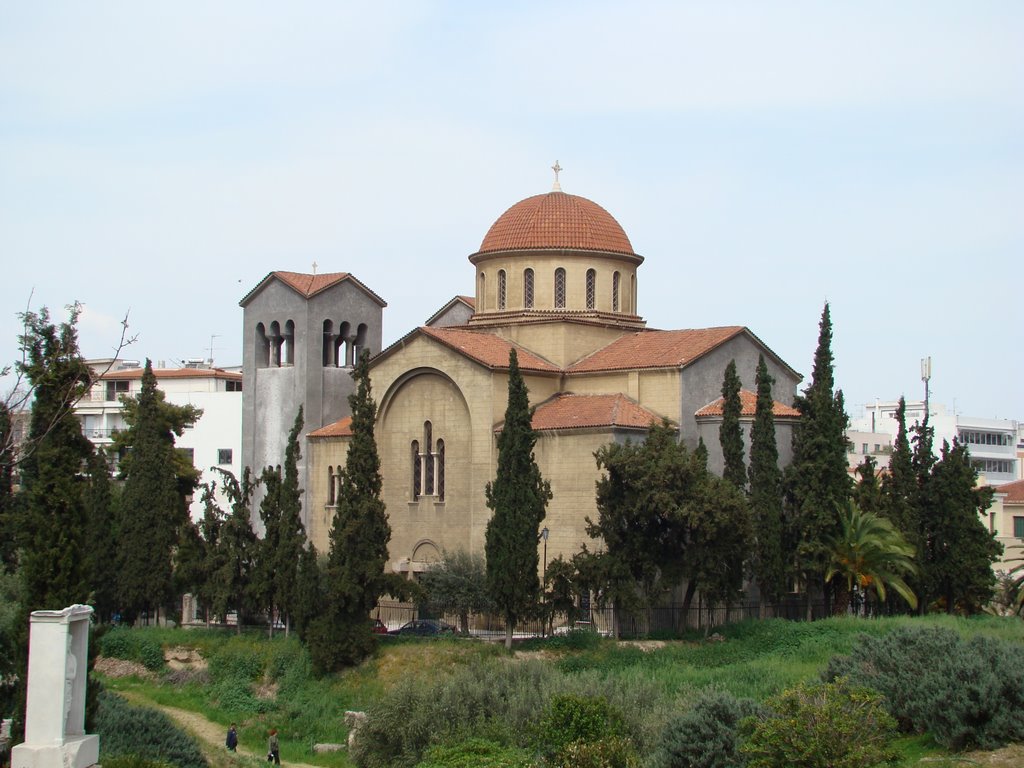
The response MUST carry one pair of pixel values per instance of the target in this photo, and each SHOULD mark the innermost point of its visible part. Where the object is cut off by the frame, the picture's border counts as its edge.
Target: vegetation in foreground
(455, 702)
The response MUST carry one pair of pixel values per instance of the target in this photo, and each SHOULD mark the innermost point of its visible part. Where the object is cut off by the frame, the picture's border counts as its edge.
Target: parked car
(379, 627)
(424, 628)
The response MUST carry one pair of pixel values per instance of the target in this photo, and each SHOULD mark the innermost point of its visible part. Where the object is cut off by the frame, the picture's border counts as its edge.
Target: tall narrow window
(528, 289)
(481, 294)
(417, 470)
(440, 470)
(289, 343)
(501, 289)
(275, 344)
(591, 288)
(330, 486)
(329, 359)
(262, 347)
(615, 292)
(559, 288)
(428, 473)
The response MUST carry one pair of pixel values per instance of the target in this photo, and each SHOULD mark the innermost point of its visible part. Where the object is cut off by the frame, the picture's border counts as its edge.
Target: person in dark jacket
(232, 740)
(273, 748)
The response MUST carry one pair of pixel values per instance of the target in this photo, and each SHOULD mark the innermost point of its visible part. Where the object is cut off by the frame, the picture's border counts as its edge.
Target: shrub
(829, 725)
(609, 752)
(475, 753)
(133, 645)
(134, 761)
(707, 736)
(967, 693)
(127, 730)
(570, 719)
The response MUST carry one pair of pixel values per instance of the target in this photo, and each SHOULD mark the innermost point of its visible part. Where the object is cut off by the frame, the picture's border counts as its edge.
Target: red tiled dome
(556, 220)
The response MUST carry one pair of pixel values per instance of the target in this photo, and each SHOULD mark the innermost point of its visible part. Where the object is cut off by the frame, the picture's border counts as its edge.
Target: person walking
(273, 748)
(232, 740)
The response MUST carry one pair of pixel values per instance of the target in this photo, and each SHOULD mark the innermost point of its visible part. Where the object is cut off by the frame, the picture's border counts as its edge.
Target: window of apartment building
(117, 388)
(863, 447)
(233, 386)
(878, 447)
(1018, 527)
(188, 453)
(224, 455)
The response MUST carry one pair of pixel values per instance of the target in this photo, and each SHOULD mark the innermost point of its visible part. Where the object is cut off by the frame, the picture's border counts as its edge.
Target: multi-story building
(995, 444)
(1006, 522)
(214, 441)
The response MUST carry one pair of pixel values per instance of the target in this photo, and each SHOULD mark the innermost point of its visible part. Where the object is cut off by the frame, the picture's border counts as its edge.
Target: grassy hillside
(261, 683)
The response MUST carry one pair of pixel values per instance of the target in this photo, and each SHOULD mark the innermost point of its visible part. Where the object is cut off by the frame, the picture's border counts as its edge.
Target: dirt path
(211, 734)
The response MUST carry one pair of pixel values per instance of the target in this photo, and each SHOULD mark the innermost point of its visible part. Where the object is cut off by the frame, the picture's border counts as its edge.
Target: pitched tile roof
(1014, 492)
(488, 349)
(569, 411)
(655, 349)
(310, 285)
(174, 373)
(748, 407)
(556, 220)
(341, 428)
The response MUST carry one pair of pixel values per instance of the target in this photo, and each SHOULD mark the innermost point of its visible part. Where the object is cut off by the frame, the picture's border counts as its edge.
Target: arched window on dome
(482, 294)
(591, 288)
(528, 288)
(501, 289)
(559, 288)
(632, 293)
(616, 277)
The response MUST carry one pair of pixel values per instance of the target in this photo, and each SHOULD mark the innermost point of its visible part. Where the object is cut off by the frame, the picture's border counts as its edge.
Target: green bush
(828, 725)
(127, 730)
(569, 719)
(475, 753)
(708, 735)
(966, 693)
(133, 645)
(609, 752)
(134, 761)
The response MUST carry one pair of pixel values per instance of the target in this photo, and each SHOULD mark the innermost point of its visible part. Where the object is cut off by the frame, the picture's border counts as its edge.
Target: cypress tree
(355, 577)
(900, 485)
(7, 522)
(518, 496)
(230, 586)
(102, 536)
(730, 433)
(152, 510)
(868, 493)
(768, 562)
(265, 565)
(959, 550)
(817, 483)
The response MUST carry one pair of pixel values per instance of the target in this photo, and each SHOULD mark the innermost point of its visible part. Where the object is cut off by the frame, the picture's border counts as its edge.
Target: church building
(556, 279)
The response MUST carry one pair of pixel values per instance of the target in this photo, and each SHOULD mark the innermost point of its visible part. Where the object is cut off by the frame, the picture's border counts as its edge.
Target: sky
(157, 160)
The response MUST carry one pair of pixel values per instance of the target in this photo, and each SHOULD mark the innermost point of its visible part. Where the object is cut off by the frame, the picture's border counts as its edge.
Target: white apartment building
(213, 441)
(996, 445)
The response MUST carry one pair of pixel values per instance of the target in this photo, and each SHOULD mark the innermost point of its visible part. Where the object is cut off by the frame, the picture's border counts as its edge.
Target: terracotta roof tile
(556, 220)
(310, 285)
(655, 349)
(1014, 492)
(175, 373)
(341, 428)
(570, 411)
(748, 407)
(488, 349)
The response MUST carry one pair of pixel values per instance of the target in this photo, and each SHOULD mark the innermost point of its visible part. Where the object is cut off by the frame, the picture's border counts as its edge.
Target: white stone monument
(58, 648)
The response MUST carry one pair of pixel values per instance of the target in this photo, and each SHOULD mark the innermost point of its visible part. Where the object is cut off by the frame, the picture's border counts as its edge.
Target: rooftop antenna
(212, 337)
(557, 169)
(926, 374)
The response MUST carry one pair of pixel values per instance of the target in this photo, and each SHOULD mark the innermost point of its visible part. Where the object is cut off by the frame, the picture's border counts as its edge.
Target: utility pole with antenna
(212, 337)
(926, 374)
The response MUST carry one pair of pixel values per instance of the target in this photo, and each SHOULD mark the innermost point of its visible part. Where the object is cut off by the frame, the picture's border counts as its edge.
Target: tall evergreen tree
(265, 566)
(868, 492)
(51, 517)
(355, 578)
(730, 434)
(899, 485)
(153, 509)
(817, 484)
(101, 535)
(230, 587)
(518, 496)
(768, 560)
(959, 549)
(7, 522)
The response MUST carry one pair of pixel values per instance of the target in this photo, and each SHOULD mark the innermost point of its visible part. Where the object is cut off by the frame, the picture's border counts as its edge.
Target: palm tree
(871, 554)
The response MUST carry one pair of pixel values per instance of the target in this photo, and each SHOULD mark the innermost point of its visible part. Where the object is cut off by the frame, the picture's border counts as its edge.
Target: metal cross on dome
(556, 168)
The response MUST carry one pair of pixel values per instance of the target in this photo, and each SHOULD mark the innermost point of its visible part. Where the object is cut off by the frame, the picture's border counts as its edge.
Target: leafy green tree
(234, 555)
(355, 577)
(518, 496)
(959, 549)
(817, 484)
(153, 509)
(730, 434)
(869, 553)
(102, 536)
(561, 592)
(458, 584)
(768, 562)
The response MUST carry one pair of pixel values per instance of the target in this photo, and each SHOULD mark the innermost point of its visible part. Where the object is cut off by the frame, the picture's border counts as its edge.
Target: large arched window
(501, 289)
(329, 359)
(615, 291)
(428, 466)
(289, 343)
(482, 293)
(528, 289)
(559, 288)
(275, 344)
(591, 288)
(262, 347)
(417, 470)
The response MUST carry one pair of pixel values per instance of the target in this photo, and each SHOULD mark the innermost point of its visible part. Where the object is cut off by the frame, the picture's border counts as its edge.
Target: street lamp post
(544, 571)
